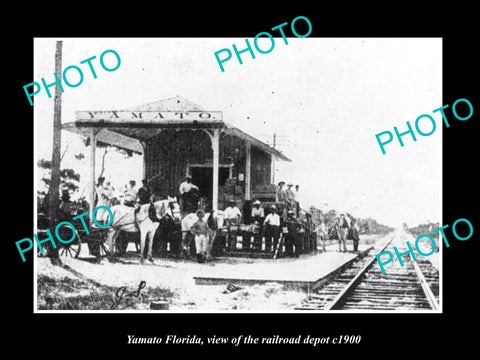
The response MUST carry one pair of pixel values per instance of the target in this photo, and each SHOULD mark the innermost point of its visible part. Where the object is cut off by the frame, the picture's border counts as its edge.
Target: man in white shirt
(188, 196)
(232, 216)
(257, 217)
(187, 185)
(272, 229)
(257, 212)
(232, 213)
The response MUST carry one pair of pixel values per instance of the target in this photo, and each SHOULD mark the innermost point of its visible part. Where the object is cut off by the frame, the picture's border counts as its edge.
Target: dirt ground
(101, 285)
(84, 285)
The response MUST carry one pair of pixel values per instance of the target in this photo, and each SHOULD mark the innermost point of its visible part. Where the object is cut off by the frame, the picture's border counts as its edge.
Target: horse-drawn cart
(95, 241)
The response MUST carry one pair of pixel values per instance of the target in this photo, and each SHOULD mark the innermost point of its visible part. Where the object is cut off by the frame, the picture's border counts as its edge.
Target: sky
(325, 98)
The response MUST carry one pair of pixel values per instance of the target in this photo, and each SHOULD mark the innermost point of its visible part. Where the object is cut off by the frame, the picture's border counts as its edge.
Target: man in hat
(300, 242)
(144, 193)
(292, 246)
(65, 207)
(272, 229)
(200, 230)
(187, 185)
(280, 195)
(188, 195)
(130, 194)
(103, 198)
(290, 198)
(281, 200)
(232, 217)
(156, 196)
(310, 233)
(342, 228)
(258, 216)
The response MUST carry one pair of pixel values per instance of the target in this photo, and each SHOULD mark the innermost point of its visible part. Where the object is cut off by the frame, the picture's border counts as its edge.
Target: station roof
(129, 127)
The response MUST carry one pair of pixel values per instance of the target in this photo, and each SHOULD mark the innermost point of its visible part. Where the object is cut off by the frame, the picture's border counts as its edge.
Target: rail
(426, 288)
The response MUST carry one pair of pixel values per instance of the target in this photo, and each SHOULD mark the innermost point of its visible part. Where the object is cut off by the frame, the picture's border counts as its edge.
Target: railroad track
(363, 286)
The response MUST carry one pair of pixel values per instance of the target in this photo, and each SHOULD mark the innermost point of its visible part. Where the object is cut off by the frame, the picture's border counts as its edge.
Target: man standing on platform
(200, 230)
(272, 229)
(232, 217)
(291, 199)
(342, 228)
(310, 233)
(291, 238)
(258, 216)
(281, 199)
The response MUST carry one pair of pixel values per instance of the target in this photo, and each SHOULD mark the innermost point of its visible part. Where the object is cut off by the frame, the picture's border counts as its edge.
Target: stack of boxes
(232, 190)
(264, 193)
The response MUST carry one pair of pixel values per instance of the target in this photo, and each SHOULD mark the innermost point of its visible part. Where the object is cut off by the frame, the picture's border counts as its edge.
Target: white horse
(214, 224)
(137, 219)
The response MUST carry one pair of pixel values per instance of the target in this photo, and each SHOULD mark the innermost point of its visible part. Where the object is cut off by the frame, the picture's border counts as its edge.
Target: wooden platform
(306, 272)
(249, 254)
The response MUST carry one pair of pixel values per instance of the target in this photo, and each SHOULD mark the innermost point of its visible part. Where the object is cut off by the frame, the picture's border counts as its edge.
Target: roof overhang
(128, 129)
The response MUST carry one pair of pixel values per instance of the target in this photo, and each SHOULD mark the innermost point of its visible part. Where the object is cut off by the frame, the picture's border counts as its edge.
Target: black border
(382, 334)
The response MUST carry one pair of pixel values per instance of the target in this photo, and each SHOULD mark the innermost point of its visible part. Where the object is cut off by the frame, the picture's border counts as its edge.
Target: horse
(214, 223)
(138, 219)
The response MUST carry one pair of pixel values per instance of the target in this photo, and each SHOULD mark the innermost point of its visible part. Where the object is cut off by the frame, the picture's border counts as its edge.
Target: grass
(77, 294)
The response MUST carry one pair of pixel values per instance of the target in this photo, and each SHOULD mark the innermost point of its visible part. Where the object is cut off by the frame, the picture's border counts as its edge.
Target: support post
(216, 150)
(248, 167)
(144, 160)
(93, 145)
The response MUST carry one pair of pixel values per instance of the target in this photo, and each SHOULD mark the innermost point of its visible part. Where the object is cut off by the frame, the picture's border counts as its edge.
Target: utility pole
(273, 160)
(56, 156)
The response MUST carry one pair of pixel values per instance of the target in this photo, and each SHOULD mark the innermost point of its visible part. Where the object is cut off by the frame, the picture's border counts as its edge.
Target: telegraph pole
(57, 144)
(273, 160)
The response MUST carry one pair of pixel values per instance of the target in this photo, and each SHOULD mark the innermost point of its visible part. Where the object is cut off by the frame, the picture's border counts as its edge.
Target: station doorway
(202, 176)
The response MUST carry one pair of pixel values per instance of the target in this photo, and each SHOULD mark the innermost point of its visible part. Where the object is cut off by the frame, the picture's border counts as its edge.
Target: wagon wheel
(71, 249)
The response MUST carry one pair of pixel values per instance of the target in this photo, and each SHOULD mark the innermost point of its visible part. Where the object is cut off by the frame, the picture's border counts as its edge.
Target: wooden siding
(261, 167)
(168, 154)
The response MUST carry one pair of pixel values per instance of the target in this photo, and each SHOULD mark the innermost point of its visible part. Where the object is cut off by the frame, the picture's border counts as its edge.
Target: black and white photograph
(290, 181)
(196, 180)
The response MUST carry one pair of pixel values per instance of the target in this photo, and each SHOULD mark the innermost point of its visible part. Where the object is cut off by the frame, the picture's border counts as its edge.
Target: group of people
(297, 230)
(298, 234)
(276, 222)
(108, 196)
(288, 198)
(344, 228)
(283, 218)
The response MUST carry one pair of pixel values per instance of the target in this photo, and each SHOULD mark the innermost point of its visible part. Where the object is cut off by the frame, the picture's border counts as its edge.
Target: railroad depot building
(177, 138)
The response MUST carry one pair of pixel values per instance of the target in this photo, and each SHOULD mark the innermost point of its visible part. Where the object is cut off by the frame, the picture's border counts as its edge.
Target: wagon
(95, 240)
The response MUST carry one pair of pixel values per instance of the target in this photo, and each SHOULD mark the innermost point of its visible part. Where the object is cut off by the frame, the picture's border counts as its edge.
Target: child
(199, 228)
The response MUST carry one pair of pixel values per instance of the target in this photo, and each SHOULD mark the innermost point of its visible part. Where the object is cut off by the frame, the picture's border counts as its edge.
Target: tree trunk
(103, 162)
(57, 143)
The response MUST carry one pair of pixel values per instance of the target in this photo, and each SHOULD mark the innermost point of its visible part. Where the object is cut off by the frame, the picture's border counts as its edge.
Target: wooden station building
(177, 138)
